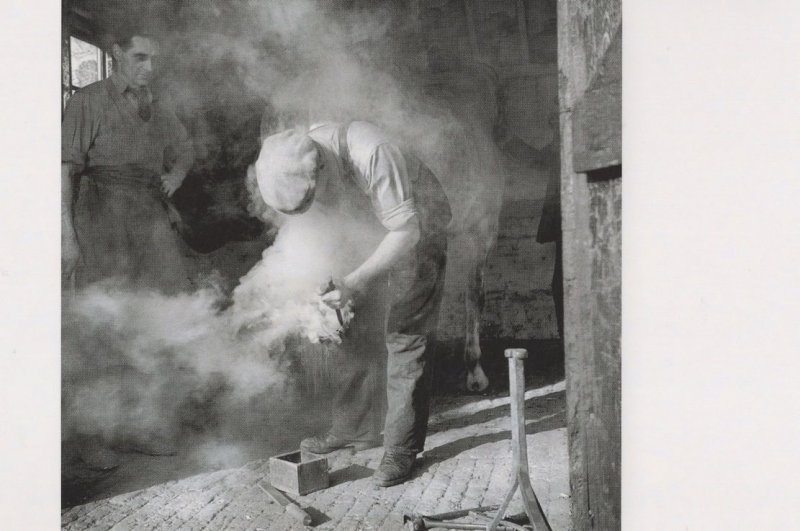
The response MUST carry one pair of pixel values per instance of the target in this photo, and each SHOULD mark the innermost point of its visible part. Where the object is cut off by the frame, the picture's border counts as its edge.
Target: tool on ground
(504, 523)
(521, 476)
(418, 522)
(291, 508)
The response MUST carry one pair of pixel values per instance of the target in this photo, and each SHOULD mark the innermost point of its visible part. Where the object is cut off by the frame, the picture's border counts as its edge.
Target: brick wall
(522, 50)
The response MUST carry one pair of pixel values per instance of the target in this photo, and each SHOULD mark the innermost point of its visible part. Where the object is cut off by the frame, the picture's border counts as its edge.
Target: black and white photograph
(313, 263)
(358, 264)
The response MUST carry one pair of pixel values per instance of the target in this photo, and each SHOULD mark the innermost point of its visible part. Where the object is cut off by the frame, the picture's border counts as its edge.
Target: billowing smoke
(143, 362)
(309, 251)
(308, 61)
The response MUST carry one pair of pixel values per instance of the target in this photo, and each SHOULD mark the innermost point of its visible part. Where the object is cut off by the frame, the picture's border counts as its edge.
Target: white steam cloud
(141, 361)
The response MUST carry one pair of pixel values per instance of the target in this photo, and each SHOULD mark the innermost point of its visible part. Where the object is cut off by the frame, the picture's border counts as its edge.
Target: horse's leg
(476, 378)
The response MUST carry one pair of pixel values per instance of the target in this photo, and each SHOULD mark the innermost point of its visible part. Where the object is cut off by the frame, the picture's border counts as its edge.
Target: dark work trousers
(123, 226)
(415, 288)
(122, 223)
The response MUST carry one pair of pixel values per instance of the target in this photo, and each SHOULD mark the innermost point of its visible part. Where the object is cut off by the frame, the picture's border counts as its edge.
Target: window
(82, 63)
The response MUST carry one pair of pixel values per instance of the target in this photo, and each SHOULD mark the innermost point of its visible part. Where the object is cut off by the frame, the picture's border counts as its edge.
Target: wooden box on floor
(298, 474)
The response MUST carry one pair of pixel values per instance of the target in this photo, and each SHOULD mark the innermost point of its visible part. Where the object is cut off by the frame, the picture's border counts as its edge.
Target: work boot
(330, 443)
(395, 467)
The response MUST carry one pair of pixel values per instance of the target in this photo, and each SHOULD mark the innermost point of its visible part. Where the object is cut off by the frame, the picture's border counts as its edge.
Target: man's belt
(131, 175)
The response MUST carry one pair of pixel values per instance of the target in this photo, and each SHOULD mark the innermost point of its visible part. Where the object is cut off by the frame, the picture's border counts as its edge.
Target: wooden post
(591, 225)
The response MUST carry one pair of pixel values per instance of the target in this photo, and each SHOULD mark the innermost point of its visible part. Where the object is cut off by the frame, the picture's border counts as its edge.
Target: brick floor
(467, 463)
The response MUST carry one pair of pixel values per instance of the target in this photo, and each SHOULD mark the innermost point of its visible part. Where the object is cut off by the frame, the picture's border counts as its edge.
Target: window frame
(68, 86)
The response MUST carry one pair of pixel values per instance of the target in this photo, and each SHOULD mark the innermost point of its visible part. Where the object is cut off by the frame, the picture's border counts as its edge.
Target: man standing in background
(123, 155)
(129, 153)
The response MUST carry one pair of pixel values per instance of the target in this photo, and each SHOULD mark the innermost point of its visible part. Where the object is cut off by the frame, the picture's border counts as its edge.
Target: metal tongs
(331, 286)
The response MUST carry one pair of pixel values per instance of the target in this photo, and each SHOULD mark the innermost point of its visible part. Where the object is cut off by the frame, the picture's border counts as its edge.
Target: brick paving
(466, 463)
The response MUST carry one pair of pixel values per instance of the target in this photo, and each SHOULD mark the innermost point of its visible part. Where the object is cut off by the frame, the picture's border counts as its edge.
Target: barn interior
(515, 106)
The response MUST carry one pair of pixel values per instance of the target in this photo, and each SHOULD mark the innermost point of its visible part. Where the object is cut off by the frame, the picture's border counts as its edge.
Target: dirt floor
(211, 484)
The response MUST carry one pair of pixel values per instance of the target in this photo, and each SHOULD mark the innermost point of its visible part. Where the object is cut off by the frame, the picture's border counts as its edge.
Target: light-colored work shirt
(380, 171)
(102, 127)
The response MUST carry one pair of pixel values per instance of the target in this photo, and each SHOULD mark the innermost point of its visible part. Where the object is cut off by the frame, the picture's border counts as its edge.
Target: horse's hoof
(477, 380)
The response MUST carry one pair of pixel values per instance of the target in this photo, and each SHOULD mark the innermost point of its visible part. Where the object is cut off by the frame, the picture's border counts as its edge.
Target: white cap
(286, 171)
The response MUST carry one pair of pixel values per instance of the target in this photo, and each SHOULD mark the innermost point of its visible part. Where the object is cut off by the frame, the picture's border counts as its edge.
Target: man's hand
(69, 254)
(171, 182)
(337, 294)
(69, 242)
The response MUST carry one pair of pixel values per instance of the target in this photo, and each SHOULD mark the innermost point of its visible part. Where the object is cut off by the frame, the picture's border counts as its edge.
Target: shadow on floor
(535, 408)
(353, 472)
(542, 414)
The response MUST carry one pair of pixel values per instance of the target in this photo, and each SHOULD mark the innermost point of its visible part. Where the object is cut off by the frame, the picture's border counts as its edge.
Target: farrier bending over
(129, 153)
(355, 170)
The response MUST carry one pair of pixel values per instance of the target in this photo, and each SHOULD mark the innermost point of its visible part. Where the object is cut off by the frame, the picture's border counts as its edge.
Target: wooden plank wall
(591, 224)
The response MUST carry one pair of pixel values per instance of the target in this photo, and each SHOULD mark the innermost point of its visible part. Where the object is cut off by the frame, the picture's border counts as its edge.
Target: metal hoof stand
(522, 480)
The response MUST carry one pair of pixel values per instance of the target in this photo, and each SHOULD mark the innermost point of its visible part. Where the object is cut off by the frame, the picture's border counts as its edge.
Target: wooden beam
(597, 135)
(591, 222)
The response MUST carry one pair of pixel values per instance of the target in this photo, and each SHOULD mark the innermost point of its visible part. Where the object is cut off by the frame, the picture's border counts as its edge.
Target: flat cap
(286, 171)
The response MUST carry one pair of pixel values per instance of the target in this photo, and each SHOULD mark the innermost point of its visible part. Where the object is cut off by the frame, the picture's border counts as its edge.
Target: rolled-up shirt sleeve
(78, 130)
(390, 187)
